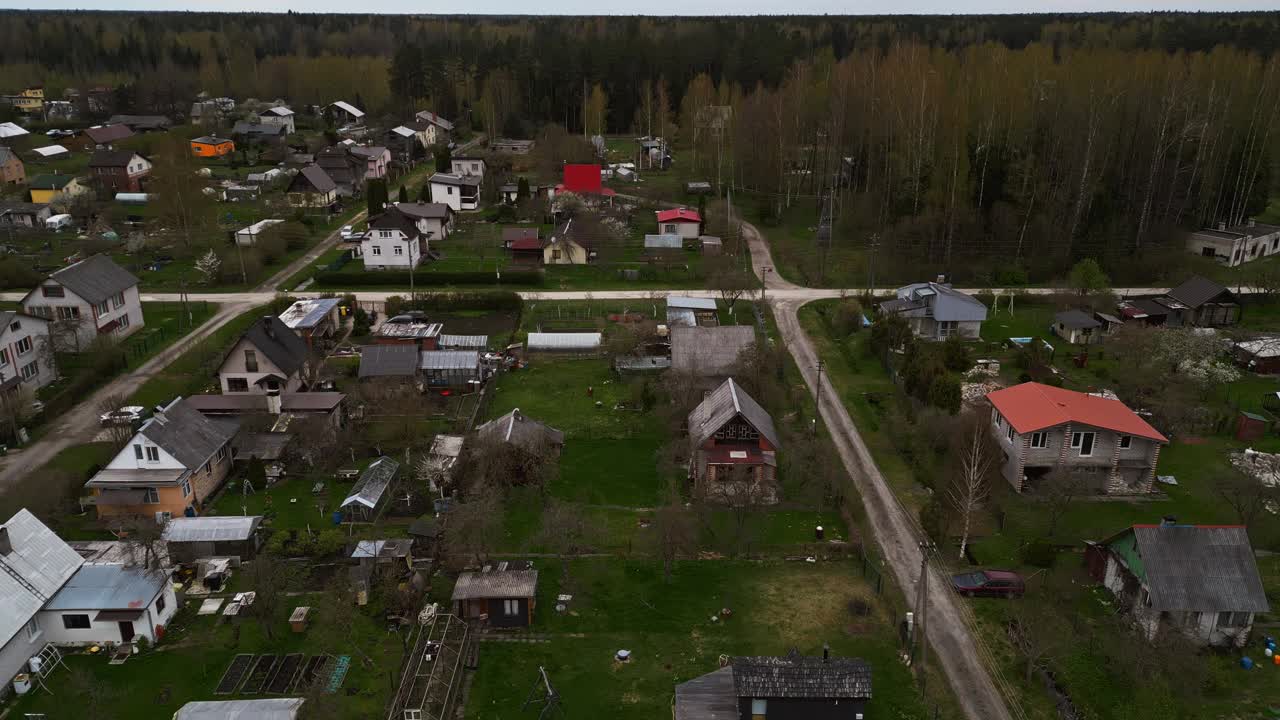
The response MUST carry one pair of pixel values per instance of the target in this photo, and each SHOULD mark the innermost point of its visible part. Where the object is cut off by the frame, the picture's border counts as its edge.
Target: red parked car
(989, 583)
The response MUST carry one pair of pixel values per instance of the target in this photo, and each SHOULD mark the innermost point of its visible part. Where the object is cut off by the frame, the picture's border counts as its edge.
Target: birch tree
(974, 459)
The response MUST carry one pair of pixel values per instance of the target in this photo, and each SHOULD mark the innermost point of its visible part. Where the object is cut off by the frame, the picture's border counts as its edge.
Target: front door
(126, 631)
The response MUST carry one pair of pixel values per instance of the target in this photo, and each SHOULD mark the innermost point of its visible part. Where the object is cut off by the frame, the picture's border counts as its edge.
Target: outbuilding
(368, 497)
(450, 368)
(1260, 355)
(564, 342)
(189, 539)
(1077, 327)
(500, 596)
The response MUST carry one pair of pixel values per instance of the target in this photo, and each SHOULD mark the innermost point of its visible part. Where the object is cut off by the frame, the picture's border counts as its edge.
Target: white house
(459, 192)
(440, 129)
(467, 165)
(1237, 244)
(269, 357)
(393, 242)
(87, 299)
(107, 604)
(377, 157)
(279, 115)
(680, 221)
(25, 351)
(37, 564)
(248, 237)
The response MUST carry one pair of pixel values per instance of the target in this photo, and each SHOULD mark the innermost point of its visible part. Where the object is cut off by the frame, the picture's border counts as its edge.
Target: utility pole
(817, 397)
(919, 640)
(764, 280)
(824, 234)
(874, 248)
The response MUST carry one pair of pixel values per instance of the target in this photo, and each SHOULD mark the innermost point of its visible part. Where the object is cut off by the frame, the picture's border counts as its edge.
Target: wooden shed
(499, 596)
(1251, 426)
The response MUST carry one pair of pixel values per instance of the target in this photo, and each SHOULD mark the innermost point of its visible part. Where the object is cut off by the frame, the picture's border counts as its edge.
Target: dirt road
(896, 535)
(79, 424)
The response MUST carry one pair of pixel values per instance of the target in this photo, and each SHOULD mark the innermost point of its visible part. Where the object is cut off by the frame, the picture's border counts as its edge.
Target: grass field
(194, 370)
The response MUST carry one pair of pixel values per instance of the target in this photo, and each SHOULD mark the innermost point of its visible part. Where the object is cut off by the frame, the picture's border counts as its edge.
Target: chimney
(1222, 226)
(826, 653)
(1253, 223)
(6, 546)
(274, 402)
(269, 327)
(941, 279)
(1168, 521)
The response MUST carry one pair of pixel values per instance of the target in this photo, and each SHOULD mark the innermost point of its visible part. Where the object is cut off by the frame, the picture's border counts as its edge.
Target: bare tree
(728, 279)
(567, 532)
(118, 434)
(143, 536)
(973, 459)
(471, 528)
(271, 580)
(675, 532)
(1036, 631)
(1060, 490)
(1246, 494)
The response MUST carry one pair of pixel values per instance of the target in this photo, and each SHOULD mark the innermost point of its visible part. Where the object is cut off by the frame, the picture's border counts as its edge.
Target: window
(251, 360)
(122, 322)
(237, 384)
(222, 452)
(1208, 252)
(104, 308)
(1075, 439)
(1039, 440)
(1233, 619)
(449, 190)
(153, 453)
(118, 300)
(160, 603)
(946, 328)
(384, 233)
(759, 708)
(510, 608)
(30, 371)
(33, 628)
(186, 487)
(137, 451)
(54, 291)
(43, 311)
(1083, 441)
(15, 326)
(207, 467)
(1011, 433)
(68, 313)
(1126, 441)
(399, 250)
(670, 229)
(76, 622)
(150, 496)
(999, 420)
(24, 345)
(4, 357)
(377, 249)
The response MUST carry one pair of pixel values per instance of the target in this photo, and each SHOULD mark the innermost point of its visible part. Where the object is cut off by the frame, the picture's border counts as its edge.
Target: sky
(658, 7)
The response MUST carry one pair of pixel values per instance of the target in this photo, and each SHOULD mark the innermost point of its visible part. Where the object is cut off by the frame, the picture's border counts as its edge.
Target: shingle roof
(1197, 291)
(212, 528)
(521, 431)
(496, 584)
(1077, 319)
(109, 587)
(425, 211)
(280, 344)
(393, 219)
(708, 697)
(248, 128)
(186, 434)
(104, 134)
(800, 676)
(1032, 406)
(724, 404)
(316, 177)
(95, 278)
(42, 560)
(111, 158)
(709, 350)
(373, 483)
(1202, 568)
(49, 182)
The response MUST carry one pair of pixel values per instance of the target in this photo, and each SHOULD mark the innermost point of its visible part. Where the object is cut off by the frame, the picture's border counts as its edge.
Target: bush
(15, 274)
(944, 393)
(847, 318)
(1039, 554)
(426, 279)
(955, 354)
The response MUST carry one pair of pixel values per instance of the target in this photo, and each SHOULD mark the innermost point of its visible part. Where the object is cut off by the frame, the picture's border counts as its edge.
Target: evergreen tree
(522, 190)
(375, 192)
(404, 194)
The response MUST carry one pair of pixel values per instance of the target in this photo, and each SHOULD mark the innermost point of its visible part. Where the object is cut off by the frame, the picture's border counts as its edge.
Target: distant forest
(1014, 144)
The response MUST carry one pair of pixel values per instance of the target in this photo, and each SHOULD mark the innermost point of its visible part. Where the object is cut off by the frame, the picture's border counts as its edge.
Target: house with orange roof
(1041, 428)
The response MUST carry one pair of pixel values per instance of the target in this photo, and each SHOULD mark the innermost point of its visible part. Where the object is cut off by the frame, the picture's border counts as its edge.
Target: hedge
(426, 280)
(497, 300)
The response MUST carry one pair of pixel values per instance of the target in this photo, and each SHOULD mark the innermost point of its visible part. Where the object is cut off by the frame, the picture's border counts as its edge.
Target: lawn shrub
(1039, 553)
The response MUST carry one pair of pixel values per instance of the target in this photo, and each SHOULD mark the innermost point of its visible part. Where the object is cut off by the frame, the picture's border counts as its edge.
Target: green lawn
(195, 370)
(668, 629)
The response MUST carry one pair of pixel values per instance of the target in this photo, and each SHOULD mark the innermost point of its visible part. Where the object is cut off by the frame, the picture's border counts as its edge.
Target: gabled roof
(95, 278)
(1032, 406)
(249, 128)
(449, 360)
(518, 238)
(425, 211)
(49, 182)
(314, 176)
(723, 405)
(517, 429)
(434, 119)
(583, 178)
(104, 134)
(278, 111)
(945, 303)
(799, 676)
(11, 130)
(373, 483)
(280, 344)
(211, 528)
(1076, 319)
(1199, 567)
(394, 219)
(109, 587)
(496, 584)
(111, 158)
(679, 215)
(23, 208)
(33, 572)
(46, 151)
(369, 152)
(1199, 290)
(308, 313)
(347, 107)
(209, 140)
(186, 434)
(709, 351)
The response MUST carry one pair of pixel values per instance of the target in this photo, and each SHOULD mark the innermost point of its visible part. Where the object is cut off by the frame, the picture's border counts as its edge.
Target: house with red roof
(1041, 428)
(584, 179)
(680, 221)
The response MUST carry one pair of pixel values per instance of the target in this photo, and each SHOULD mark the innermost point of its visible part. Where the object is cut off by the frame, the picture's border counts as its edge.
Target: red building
(120, 170)
(733, 448)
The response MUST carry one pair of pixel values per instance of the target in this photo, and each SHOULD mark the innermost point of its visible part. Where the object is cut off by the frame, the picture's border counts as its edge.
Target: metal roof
(724, 404)
(95, 278)
(521, 431)
(10, 130)
(41, 560)
(1077, 319)
(800, 676)
(350, 109)
(1034, 406)
(382, 548)
(681, 317)
(388, 361)
(373, 483)
(692, 303)
(1199, 290)
(709, 350)
(447, 445)
(1200, 568)
(415, 330)
(1261, 347)
(563, 341)
(211, 528)
(308, 313)
(109, 587)
(148, 477)
(496, 584)
(50, 150)
(310, 401)
(464, 342)
(186, 434)
(278, 111)
(448, 360)
(663, 242)
(938, 300)
(270, 709)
